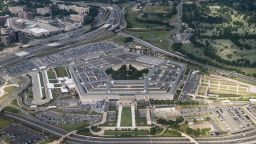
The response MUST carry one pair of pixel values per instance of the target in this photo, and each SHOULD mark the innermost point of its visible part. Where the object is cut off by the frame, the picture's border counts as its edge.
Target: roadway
(14, 95)
(75, 138)
(244, 137)
(111, 15)
(184, 58)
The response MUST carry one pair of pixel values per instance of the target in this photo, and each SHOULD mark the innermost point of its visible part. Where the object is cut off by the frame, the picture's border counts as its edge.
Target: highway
(244, 137)
(184, 58)
(115, 18)
(75, 138)
(112, 16)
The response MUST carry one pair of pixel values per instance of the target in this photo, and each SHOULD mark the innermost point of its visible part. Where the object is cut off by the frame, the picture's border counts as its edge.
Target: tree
(128, 39)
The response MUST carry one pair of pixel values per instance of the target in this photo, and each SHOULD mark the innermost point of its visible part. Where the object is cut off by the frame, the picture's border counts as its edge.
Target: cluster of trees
(154, 130)
(193, 15)
(31, 4)
(95, 128)
(171, 102)
(93, 12)
(60, 13)
(197, 132)
(172, 123)
(128, 39)
(210, 52)
(104, 1)
(126, 73)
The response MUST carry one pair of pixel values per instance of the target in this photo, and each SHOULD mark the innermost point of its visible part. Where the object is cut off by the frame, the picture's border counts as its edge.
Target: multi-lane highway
(245, 137)
(184, 58)
(75, 138)
(112, 15)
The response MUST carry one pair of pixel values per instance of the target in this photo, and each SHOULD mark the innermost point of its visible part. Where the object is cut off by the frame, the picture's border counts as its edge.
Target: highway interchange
(113, 16)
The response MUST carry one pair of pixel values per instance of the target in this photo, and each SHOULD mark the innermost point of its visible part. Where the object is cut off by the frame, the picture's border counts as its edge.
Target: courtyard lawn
(51, 74)
(61, 72)
(126, 117)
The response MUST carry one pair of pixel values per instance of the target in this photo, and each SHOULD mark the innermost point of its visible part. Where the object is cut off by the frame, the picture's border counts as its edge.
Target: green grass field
(126, 117)
(8, 91)
(141, 121)
(157, 9)
(132, 23)
(156, 37)
(5, 122)
(51, 74)
(61, 72)
(84, 131)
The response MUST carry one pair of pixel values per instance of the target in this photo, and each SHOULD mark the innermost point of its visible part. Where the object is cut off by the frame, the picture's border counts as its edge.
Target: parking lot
(232, 119)
(18, 134)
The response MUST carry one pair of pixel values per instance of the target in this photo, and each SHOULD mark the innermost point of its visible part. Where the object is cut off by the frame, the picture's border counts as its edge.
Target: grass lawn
(84, 131)
(126, 117)
(56, 92)
(171, 133)
(156, 37)
(127, 133)
(8, 91)
(51, 74)
(157, 9)
(5, 122)
(61, 72)
(141, 121)
(14, 103)
(132, 23)
(73, 126)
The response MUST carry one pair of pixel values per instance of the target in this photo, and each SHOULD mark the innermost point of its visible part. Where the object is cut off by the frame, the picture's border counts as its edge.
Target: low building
(71, 26)
(77, 18)
(44, 11)
(11, 22)
(75, 8)
(20, 24)
(25, 15)
(252, 101)
(16, 9)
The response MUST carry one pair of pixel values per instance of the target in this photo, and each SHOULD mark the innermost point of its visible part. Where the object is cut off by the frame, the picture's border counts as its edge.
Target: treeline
(31, 4)
(172, 102)
(210, 52)
(193, 13)
(103, 1)
(60, 13)
(177, 47)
